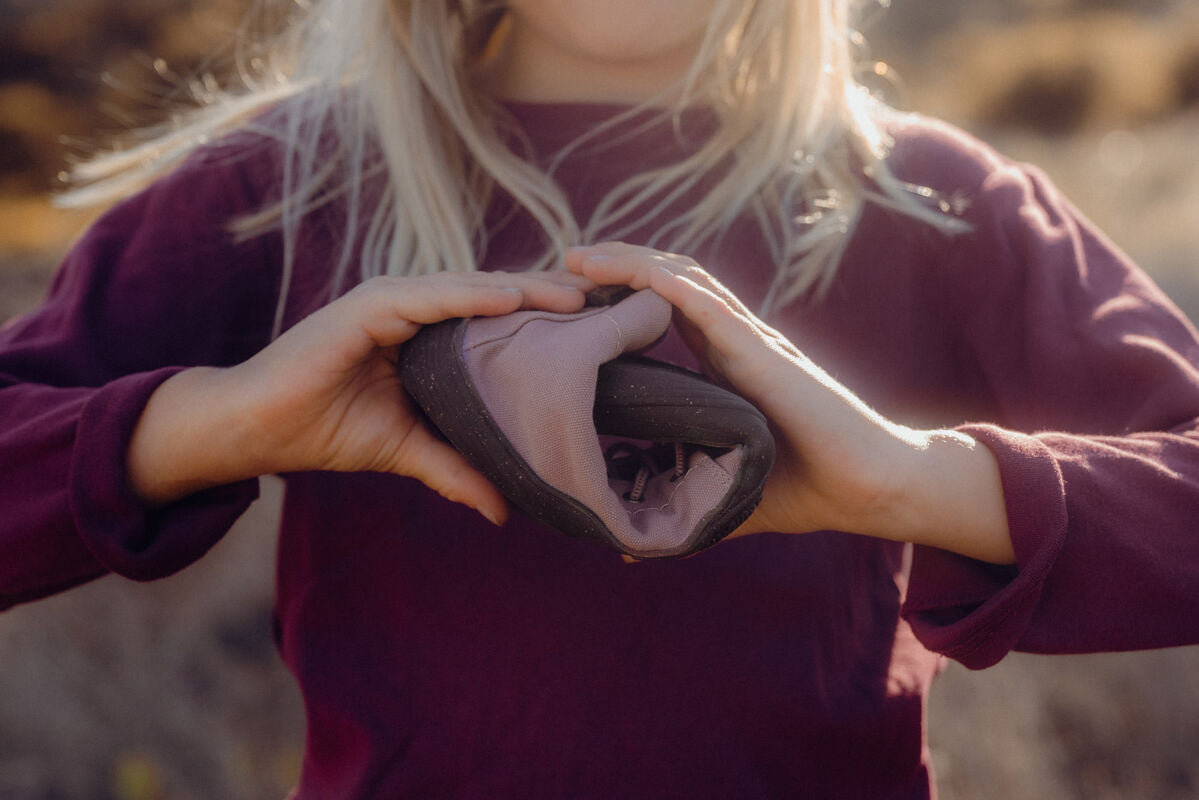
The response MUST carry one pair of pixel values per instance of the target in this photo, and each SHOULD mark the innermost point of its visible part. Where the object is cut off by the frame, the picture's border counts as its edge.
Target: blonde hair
(392, 84)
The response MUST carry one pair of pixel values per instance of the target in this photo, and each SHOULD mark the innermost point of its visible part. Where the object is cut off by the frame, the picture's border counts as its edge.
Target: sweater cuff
(975, 612)
(126, 535)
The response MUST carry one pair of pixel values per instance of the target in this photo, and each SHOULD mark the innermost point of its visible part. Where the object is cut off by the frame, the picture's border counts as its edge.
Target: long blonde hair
(392, 83)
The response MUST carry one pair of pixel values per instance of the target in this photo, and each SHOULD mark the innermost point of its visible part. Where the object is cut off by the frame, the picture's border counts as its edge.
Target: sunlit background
(121, 691)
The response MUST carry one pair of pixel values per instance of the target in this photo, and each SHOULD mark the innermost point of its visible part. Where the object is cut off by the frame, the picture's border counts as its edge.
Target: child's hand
(840, 465)
(326, 396)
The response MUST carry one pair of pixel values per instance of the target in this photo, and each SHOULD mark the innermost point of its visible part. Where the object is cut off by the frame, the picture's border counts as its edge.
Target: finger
(563, 277)
(721, 323)
(617, 262)
(392, 315)
(557, 291)
(552, 278)
(613, 249)
(620, 263)
(681, 287)
(390, 312)
(735, 348)
(636, 266)
(553, 293)
(447, 472)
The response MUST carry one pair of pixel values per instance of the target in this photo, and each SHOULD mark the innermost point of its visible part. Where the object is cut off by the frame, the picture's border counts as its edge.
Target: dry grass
(119, 688)
(1098, 727)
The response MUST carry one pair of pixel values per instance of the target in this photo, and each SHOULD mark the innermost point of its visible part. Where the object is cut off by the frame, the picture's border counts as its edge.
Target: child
(925, 306)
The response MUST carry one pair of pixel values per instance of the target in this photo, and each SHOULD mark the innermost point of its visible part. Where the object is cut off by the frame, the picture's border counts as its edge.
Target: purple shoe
(527, 397)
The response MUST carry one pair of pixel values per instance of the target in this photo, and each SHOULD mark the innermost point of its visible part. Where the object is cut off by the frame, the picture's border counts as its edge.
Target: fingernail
(491, 517)
(599, 257)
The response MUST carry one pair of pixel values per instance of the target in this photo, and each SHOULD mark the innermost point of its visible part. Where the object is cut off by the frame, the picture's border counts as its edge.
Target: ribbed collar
(646, 136)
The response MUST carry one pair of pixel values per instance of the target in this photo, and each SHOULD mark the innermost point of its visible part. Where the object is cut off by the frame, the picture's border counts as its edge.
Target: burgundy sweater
(440, 657)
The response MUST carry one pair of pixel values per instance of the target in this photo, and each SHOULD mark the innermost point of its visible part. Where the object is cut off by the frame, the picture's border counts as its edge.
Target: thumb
(447, 472)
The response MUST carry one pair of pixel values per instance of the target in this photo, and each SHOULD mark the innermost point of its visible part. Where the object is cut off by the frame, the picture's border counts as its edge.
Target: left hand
(840, 465)
(326, 395)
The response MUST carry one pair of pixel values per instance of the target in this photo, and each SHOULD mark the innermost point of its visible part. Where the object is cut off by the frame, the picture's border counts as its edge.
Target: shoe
(533, 397)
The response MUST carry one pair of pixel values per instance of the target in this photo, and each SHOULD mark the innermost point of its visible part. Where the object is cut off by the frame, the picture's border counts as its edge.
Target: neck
(530, 69)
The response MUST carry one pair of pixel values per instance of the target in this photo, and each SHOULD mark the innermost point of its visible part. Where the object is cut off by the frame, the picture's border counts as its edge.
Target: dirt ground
(125, 691)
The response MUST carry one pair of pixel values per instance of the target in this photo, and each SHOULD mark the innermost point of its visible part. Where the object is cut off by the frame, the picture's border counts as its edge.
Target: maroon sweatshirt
(440, 657)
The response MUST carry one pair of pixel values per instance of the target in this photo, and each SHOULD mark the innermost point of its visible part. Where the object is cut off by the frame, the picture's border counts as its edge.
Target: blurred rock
(119, 688)
(1054, 74)
(86, 69)
(30, 116)
(1054, 100)
(1186, 78)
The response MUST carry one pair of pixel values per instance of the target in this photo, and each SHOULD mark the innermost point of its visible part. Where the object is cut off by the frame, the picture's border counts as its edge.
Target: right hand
(326, 395)
(839, 465)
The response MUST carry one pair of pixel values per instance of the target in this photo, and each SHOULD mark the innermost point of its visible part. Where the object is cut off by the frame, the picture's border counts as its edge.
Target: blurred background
(123, 691)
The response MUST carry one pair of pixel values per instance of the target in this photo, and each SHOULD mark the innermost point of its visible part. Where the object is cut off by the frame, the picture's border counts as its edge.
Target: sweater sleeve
(1093, 376)
(155, 286)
